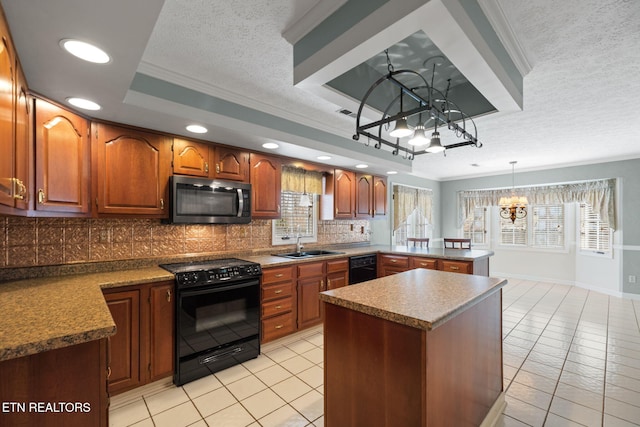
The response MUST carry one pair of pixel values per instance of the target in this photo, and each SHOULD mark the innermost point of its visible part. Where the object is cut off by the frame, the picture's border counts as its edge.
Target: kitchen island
(418, 348)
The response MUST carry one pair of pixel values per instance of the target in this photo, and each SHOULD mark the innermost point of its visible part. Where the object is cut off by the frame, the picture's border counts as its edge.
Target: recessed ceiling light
(85, 104)
(475, 165)
(86, 51)
(392, 172)
(362, 166)
(324, 157)
(270, 145)
(197, 129)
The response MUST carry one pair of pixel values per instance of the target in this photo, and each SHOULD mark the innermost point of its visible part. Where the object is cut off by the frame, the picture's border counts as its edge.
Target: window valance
(300, 180)
(600, 195)
(407, 199)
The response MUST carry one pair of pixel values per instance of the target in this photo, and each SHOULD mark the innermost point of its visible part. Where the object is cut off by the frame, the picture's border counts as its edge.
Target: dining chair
(422, 241)
(457, 243)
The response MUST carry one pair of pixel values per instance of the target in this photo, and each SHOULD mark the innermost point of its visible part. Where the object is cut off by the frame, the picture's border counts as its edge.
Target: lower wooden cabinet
(391, 264)
(456, 266)
(278, 303)
(421, 262)
(141, 351)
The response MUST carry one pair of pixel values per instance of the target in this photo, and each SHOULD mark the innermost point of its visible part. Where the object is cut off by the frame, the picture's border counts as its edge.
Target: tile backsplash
(26, 242)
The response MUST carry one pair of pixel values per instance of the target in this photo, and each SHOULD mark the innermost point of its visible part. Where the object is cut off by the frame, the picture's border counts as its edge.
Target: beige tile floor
(571, 358)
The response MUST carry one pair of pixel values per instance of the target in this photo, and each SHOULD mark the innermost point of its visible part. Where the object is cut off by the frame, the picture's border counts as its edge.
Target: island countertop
(423, 299)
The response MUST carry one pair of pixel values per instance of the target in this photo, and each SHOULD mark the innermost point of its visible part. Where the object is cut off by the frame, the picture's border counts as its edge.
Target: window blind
(475, 228)
(295, 219)
(548, 226)
(595, 234)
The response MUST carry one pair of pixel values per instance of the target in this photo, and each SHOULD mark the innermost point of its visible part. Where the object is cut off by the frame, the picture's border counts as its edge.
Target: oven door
(216, 327)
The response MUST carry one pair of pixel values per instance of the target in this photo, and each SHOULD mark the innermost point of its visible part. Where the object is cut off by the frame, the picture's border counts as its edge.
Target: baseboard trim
(495, 412)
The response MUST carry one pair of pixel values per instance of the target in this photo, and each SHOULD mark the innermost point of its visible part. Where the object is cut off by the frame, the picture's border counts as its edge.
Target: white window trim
(313, 238)
(495, 221)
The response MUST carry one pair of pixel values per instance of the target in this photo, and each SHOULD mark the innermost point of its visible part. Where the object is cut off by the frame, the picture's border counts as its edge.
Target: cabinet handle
(423, 264)
(329, 283)
(279, 275)
(108, 372)
(277, 291)
(19, 189)
(336, 211)
(168, 295)
(454, 267)
(394, 260)
(321, 284)
(206, 167)
(217, 167)
(278, 208)
(41, 196)
(371, 212)
(279, 326)
(278, 307)
(162, 204)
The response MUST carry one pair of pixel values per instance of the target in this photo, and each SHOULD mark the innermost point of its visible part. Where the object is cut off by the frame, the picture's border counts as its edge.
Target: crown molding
(318, 13)
(505, 33)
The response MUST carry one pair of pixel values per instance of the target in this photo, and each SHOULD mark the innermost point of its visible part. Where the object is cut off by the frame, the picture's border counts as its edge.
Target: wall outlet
(632, 279)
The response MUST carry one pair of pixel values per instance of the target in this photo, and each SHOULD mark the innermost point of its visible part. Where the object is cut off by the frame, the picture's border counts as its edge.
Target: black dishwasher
(362, 268)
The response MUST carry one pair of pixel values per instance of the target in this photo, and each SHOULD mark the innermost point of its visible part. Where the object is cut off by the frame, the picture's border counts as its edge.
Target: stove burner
(215, 271)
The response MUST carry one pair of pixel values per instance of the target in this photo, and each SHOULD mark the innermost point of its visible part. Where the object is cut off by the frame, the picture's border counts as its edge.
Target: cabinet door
(420, 262)
(457, 266)
(191, 158)
(309, 306)
(124, 346)
(131, 171)
(265, 186)
(161, 333)
(7, 104)
(24, 154)
(61, 139)
(364, 196)
(231, 163)
(379, 196)
(337, 280)
(344, 194)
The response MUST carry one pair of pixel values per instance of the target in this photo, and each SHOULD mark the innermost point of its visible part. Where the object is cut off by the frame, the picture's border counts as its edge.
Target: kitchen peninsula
(419, 348)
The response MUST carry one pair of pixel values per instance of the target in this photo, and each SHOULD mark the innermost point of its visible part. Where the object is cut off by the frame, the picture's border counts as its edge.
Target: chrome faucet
(299, 246)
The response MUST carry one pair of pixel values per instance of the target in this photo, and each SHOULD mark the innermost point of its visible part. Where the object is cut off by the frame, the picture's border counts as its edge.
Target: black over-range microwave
(208, 201)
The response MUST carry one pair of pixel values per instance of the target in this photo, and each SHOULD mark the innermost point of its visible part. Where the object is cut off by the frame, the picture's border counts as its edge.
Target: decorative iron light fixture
(427, 102)
(514, 207)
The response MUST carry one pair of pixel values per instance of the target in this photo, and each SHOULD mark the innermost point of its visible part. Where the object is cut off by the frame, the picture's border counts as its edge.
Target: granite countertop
(43, 314)
(53, 311)
(420, 298)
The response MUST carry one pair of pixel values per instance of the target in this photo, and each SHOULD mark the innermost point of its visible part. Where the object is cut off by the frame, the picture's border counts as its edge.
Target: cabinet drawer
(280, 306)
(274, 275)
(337, 265)
(311, 269)
(457, 267)
(394, 260)
(279, 290)
(428, 263)
(278, 326)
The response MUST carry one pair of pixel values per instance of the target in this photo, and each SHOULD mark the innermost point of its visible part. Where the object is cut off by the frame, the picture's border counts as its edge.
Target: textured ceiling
(581, 97)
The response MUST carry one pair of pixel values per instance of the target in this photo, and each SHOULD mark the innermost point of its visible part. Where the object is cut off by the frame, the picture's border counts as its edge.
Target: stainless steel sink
(308, 254)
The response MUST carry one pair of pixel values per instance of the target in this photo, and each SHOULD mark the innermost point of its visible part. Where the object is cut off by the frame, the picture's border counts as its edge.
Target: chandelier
(513, 207)
(428, 108)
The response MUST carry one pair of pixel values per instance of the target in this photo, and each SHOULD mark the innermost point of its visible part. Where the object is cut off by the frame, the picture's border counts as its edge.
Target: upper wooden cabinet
(265, 186)
(130, 170)
(23, 153)
(364, 195)
(344, 194)
(14, 122)
(191, 158)
(231, 163)
(379, 196)
(62, 138)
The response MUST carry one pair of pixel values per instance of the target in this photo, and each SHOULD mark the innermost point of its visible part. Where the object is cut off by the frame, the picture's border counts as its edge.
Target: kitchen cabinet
(130, 171)
(311, 281)
(379, 196)
(344, 194)
(265, 177)
(337, 273)
(76, 374)
(191, 158)
(62, 138)
(278, 308)
(231, 163)
(364, 195)
(14, 126)
(313, 278)
(421, 262)
(456, 266)
(391, 264)
(142, 350)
